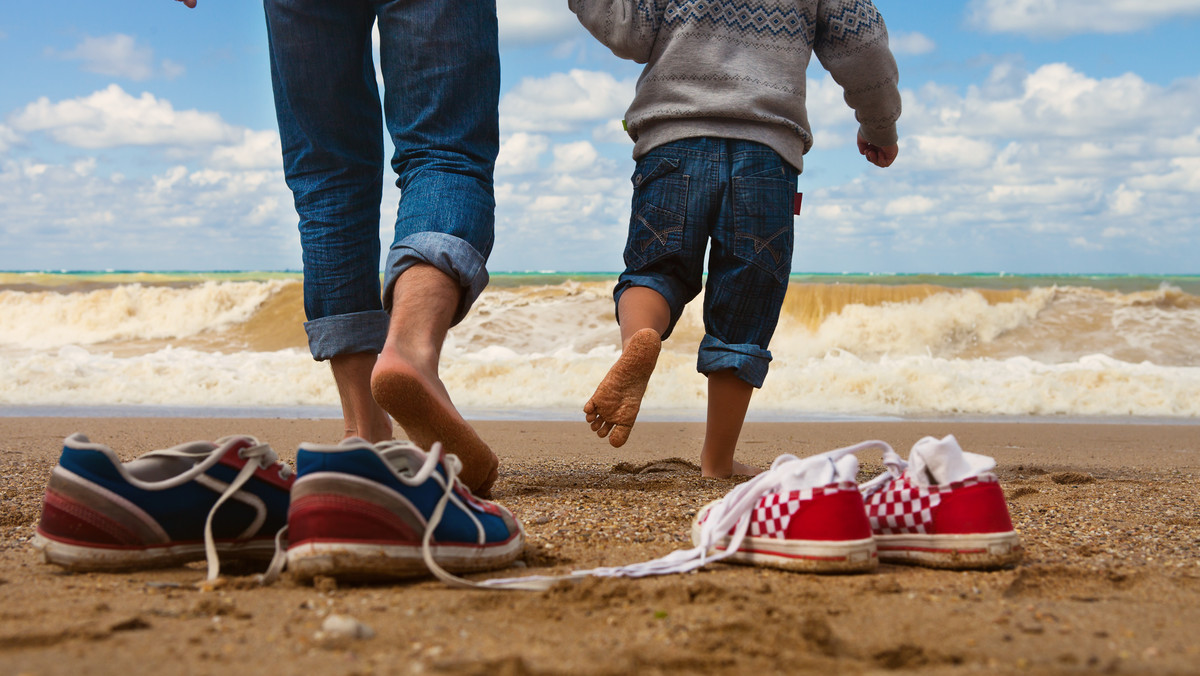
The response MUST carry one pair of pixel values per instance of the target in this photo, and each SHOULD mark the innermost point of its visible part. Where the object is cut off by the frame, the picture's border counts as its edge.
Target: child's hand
(880, 156)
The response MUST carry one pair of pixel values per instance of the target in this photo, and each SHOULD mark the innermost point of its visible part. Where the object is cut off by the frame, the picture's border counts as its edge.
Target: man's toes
(590, 408)
(604, 430)
(597, 423)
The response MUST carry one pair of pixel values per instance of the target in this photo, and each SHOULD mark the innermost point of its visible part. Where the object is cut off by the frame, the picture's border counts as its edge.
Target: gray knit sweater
(736, 68)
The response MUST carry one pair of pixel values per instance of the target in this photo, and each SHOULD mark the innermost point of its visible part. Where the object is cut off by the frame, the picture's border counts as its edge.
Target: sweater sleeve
(627, 27)
(852, 44)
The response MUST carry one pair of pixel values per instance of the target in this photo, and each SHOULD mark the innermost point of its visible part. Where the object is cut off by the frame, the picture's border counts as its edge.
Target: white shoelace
(260, 456)
(428, 469)
(732, 512)
(894, 467)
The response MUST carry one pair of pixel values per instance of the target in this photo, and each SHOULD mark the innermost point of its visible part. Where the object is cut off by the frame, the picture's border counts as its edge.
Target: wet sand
(1109, 516)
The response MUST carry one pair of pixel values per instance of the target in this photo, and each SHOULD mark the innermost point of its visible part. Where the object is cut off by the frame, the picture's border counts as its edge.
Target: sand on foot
(614, 406)
(427, 415)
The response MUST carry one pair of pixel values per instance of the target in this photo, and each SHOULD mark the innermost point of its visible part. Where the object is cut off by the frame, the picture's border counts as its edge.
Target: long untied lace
(260, 456)
(731, 513)
(894, 467)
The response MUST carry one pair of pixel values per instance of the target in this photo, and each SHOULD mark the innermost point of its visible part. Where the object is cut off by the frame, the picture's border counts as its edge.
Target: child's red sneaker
(802, 515)
(942, 509)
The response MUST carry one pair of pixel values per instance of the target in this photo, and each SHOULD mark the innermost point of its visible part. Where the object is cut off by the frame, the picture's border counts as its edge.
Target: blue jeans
(735, 197)
(441, 71)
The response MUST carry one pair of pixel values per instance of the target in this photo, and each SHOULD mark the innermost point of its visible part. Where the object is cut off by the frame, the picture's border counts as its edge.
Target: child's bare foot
(419, 402)
(738, 469)
(614, 406)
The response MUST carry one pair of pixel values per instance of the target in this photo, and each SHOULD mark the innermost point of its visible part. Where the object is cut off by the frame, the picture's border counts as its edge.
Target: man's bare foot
(419, 402)
(614, 406)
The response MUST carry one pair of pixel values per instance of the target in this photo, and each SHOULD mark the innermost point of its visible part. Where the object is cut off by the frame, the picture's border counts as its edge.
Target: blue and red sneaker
(390, 510)
(190, 502)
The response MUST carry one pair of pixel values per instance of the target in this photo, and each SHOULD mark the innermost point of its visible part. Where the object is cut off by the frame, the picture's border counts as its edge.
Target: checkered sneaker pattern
(774, 511)
(903, 507)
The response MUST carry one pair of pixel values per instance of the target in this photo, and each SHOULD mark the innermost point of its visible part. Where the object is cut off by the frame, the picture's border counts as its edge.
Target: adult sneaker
(199, 500)
(943, 509)
(803, 515)
(390, 510)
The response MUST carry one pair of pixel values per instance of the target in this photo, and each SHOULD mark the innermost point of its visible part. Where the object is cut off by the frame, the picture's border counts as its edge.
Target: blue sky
(1038, 136)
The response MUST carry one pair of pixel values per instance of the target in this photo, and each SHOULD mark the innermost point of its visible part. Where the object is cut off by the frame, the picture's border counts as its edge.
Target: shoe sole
(804, 556)
(359, 561)
(978, 551)
(82, 558)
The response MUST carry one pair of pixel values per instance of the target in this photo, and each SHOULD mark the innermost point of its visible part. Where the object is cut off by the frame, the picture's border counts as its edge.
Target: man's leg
(441, 70)
(406, 382)
(328, 109)
(361, 415)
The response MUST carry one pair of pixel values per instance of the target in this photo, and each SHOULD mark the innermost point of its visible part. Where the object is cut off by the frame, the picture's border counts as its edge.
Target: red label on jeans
(796, 203)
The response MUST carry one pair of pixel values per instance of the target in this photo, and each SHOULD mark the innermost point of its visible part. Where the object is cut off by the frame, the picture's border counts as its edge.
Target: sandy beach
(1109, 516)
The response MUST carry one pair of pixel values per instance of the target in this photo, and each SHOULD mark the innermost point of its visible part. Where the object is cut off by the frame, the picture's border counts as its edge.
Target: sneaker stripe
(115, 507)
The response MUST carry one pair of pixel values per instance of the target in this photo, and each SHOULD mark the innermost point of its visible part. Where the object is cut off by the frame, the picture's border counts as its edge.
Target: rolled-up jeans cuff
(347, 334)
(749, 361)
(452, 255)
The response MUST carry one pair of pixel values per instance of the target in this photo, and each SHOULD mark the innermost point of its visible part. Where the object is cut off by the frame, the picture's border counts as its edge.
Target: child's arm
(627, 27)
(852, 44)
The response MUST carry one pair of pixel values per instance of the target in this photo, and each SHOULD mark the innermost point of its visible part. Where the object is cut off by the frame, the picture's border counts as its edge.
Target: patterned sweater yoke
(736, 68)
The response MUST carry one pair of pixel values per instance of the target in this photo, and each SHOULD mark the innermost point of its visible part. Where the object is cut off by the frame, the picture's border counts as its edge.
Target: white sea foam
(1048, 351)
(43, 319)
(839, 383)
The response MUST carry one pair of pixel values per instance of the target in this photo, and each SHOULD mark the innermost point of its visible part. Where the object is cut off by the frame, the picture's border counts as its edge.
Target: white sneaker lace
(731, 512)
(894, 467)
(260, 456)
(428, 469)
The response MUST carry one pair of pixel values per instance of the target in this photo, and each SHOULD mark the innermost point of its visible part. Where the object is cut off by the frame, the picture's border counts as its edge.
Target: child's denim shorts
(735, 197)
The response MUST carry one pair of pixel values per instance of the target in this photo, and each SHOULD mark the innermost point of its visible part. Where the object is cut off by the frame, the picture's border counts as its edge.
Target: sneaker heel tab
(80, 442)
(347, 444)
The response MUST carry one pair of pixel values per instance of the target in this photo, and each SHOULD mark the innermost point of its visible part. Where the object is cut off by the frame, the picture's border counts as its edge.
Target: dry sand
(1109, 516)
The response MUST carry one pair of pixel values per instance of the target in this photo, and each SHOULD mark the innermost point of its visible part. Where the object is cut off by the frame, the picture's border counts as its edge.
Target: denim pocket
(659, 211)
(762, 222)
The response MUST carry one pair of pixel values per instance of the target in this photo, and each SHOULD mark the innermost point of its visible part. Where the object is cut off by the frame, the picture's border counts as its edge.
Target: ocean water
(536, 345)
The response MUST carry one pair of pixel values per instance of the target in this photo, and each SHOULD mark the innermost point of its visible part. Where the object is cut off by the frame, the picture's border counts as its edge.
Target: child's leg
(612, 410)
(728, 400)
(749, 262)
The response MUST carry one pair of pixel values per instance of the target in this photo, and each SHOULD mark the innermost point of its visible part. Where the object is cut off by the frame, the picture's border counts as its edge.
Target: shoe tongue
(158, 466)
(820, 471)
(404, 456)
(936, 462)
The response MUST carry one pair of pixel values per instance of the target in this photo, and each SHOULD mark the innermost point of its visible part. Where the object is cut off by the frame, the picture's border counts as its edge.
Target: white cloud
(111, 117)
(911, 43)
(528, 22)
(520, 153)
(561, 101)
(946, 152)
(1010, 175)
(573, 157)
(119, 55)
(8, 138)
(1069, 17)
(257, 150)
(74, 214)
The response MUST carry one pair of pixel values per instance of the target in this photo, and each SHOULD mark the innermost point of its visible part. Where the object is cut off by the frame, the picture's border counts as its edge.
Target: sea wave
(852, 349)
(837, 383)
